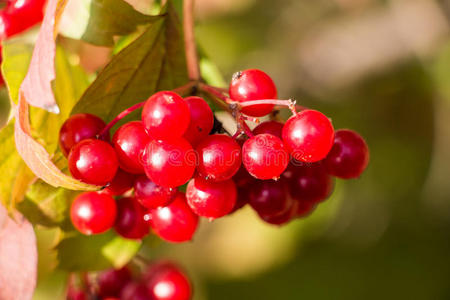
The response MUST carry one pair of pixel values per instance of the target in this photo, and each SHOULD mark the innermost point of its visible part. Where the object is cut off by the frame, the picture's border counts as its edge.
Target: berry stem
(217, 94)
(189, 41)
(287, 103)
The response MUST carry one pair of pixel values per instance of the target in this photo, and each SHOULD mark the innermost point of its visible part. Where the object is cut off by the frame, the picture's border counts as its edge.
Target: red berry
(130, 221)
(264, 156)
(308, 136)
(19, 15)
(269, 197)
(242, 198)
(169, 163)
(77, 128)
(211, 199)
(165, 281)
(151, 195)
(202, 120)
(310, 182)
(281, 218)
(93, 162)
(166, 115)
(93, 212)
(111, 282)
(271, 127)
(304, 208)
(129, 141)
(349, 155)
(253, 85)
(135, 291)
(121, 183)
(243, 178)
(176, 222)
(219, 157)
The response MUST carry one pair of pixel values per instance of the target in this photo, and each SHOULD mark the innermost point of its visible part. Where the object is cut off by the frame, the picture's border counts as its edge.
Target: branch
(189, 40)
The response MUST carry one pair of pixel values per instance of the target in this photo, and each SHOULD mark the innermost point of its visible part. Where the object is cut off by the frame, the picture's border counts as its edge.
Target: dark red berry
(271, 127)
(93, 161)
(151, 195)
(129, 141)
(176, 222)
(121, 183)
(269, 197)
(311, 182)
(243, 178)
(253, 85)
(77, 128)
(76, 294)
(169, 163)
(130, 221)
(308, 136)
(111, 282)
(281, 218)
(304, 208)
(93, 212)
(135, 291)
(211, 199)
(264, 156)
(242, 198)
(202, 120)
(349, 155)
(219, 157)
(165, 281)
(166, 115)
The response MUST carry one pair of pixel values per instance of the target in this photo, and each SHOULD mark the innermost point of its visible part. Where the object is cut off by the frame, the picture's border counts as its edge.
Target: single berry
(151, 195)
(219, 157)
(304, 208)
(130, 221)
(243, 178)
(253, 85)
(112, 281)
(176, 222)
(77, 128)
(166, 115)
(271, 127)
(242, 199)
(165, 281)
(308, 136)
(269, 197)
(211, 199)
(281, 218)
(264, 156)
(19, 15)
(93, 212)
(169, 163)
(129, 141)
(121, 183)
(311, 183)
(202, 120)
(349, 155)
(135, 291)
(93, 161)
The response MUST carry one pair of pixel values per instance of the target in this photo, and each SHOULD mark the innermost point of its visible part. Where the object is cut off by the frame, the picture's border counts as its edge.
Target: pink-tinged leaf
(18, 257)
(36, 87)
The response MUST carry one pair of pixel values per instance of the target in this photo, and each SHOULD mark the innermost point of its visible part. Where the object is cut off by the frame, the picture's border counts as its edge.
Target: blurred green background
(379, 67)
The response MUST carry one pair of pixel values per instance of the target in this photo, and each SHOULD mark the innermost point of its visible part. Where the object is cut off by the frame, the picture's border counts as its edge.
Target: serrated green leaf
(96, 252)
(154, 61)
(110, 18)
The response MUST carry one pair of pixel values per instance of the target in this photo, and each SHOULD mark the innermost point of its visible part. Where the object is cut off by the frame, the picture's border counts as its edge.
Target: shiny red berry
(219, 157)
(19, 15)
(264, 156)
(311, 183)
(169, 163)
(129, 141)
(112, 281)
(211, 199)
(93, 212)
(151, 195)
(349, 155)
(93, 161)
(77, 128)
(202, 120)
(166, 115)
(121, 183)
(253, 85)
(165, 281)
(269, 197)
(308, 136)
(130, 221)
(176, 222)
(271, 127)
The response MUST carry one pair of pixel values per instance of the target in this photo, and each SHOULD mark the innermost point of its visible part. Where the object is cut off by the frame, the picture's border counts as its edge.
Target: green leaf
(110, 18)
(91, 253)
(154, 61)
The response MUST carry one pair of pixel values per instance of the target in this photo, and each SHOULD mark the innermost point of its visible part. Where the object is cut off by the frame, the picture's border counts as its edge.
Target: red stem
(119, 117)
(189, 40)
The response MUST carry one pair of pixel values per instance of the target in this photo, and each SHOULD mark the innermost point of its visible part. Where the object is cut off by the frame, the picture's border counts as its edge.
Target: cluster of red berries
(162, 280)
(281, 170)
(17, 16)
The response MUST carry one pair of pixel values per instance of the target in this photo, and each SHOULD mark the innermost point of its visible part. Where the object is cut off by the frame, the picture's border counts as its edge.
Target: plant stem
(189, 40)
(217, 95)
